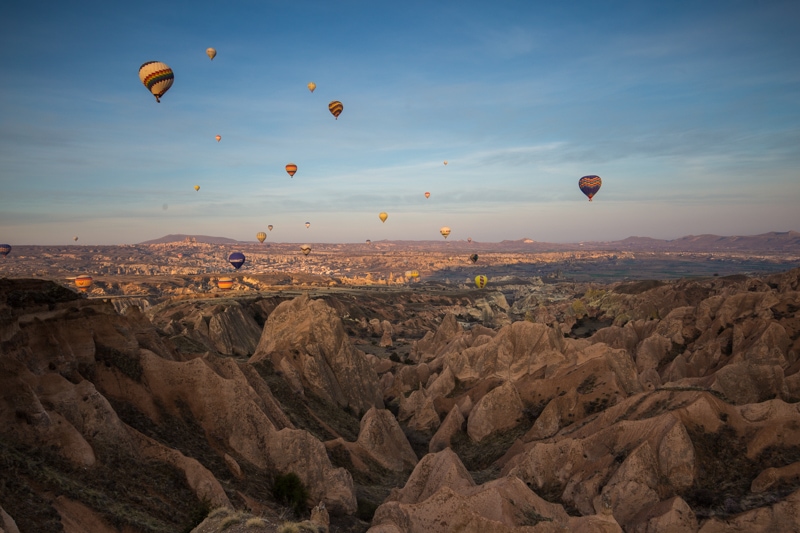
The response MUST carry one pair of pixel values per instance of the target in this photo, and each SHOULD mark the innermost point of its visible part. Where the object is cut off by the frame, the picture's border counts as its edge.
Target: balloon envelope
(589, 185)
(336, 108)
(469, 239)
(445, 162)
(261, 236)
(473, 258)
(445, 231)
(75, 238)
(196, 187)
(83, 282)
(270, 227)
(211, 53)
(427, 195)
(480, 281)
(157, 77)
(369, 241)
(5, 249)
(383, 216)
(306, 249)
(236, 259)
(308, 224)
(225, 283)
(291, 168)
(218, 138)
(312, 86)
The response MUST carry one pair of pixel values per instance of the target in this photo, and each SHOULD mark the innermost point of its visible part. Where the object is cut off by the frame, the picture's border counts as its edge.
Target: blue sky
(689, 111)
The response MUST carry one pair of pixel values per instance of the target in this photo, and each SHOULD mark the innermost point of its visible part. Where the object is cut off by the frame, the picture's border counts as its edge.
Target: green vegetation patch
(289, 490)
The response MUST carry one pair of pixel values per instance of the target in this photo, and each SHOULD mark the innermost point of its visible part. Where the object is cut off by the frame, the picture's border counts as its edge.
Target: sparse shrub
(530, 517)
(578, 308)
(255, 522)
(366, 510)
(290, 491)
(394, 357)
(232, 520)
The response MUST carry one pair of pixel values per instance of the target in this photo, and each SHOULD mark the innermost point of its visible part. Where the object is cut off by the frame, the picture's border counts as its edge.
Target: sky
(688, 111)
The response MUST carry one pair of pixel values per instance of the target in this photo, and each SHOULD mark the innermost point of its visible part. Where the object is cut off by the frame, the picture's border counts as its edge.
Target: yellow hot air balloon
(261, 236)
(312, 86)
(306, 249)
(225, 283)
(291, 168)
(211, 53)
(427, 195)
(196, 187)
(83, 282)
(480, 281)
(383, 217)
(157, 77)
(336, 108)
(445, 162)
(445, 231)
(218, 138)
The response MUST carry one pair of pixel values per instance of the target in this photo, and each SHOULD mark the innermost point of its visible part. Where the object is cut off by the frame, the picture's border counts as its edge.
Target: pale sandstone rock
(669, 516)
(443, 385)
(499, 410)
(7, 524)
(382, 438)
(434, 471)
(233, 332)
(452, 424)
(634, 485)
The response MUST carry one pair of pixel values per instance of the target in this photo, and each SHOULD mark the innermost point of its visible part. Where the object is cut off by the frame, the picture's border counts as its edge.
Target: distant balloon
(157, 77)
(308, 224)
(225, 283)
(261, 236)
(218, 138)
(75, 238)
(445, 231)
(270, 227)
(469, 239)
(589, 185)
(311, 86)
(445, 162)
(196, 187)
(427, 195)
(383, 216)
(83, 282)
(236, 259)
(414, 274)
(473, 258)
(369, 242)
(5, 249)
(211, 53)
(306, 249)
(291, 168)
(480, 281)
(336, 108)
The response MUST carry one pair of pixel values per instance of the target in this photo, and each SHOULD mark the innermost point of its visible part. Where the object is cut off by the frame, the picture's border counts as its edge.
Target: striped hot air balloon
(306, 249)
(83, 282)
(480, 281)
(445, 231)
(336, 108)
(5, 249)
(225, 283)
(589, 185)
(261, 236)
(157, 77)
(291, 168)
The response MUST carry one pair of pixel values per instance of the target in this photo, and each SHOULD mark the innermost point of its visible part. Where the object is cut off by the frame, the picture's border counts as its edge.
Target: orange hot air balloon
(218, 138)
(225, 283)
(291, 168)
(336, 108)
(445, 162)
(83, 282)
(383, 217)
(427, 195)
(311, 86)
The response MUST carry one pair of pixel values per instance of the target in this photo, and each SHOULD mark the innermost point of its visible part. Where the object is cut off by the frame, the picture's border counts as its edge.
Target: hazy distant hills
(775, 242)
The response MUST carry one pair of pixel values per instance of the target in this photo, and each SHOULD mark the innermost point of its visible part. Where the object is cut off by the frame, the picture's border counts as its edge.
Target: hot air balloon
(445, 162)
(473, 258)
(469, 239)
(225, 283)
(336, 108)
(369, 242)
(480, 281)
(306, 249)
(291, 168)
(218, 138)
(196, 187)
(589, 185)
(75, 238)
(211, 53)
(311, 86)
(414, 274)
(5, 249)
(236, 259)
(261, 236)
(383, 216)
(427, 195)
(445, 231)
(83, 282)
(157, 77)
(270, 227)
(308, 224)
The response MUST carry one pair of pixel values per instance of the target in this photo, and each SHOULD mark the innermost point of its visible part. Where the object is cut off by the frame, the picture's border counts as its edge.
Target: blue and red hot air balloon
(589, 185)
(5, 249)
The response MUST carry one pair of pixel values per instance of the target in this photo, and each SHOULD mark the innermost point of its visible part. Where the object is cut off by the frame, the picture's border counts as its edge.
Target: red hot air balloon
(291, 168)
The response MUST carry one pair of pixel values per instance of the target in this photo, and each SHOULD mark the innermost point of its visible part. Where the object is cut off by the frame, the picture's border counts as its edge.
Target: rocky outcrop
(384, 441)
(499, 410)
(305, 339)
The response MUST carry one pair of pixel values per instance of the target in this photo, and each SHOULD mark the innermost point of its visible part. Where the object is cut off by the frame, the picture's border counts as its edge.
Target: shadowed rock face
(681, 416)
